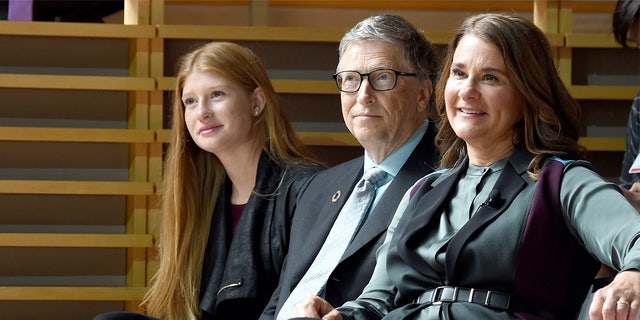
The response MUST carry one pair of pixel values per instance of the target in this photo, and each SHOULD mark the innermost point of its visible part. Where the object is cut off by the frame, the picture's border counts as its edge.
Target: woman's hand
(619, 300)
(316, 307)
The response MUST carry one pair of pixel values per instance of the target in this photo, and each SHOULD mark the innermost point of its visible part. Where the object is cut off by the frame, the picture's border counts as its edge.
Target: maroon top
(236, 213)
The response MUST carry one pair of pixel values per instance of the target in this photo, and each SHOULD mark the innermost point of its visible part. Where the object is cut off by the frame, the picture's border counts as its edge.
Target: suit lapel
(421, 162)
(429, 204)
(328, 212)
(507, 187)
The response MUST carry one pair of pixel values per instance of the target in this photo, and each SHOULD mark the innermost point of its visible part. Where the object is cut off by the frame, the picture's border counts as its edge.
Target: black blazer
(315, 214)
(241, 270)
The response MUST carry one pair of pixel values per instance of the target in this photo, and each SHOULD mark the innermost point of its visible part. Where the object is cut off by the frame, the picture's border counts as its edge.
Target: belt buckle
(446, 294)
(435, 296)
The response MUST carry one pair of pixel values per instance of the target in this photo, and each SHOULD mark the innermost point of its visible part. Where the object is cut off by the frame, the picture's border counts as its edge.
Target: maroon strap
(553, 270)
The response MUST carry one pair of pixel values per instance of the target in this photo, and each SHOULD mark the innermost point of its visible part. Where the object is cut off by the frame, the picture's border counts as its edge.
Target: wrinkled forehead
(366, 55)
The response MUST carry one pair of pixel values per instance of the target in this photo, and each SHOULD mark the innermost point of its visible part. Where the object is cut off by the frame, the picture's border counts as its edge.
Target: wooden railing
(145, 136)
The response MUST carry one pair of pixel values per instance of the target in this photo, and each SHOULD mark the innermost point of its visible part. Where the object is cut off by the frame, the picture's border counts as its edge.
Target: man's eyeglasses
(380, 80)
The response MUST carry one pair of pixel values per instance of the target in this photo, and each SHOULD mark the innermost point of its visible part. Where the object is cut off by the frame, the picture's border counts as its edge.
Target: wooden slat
(72, 293)
(345, 139)
(518, 5)
(605, 6)
(468, 5)
(249, 33)
(603, 144)
(305, 86)
(38, 81)
(591, 40)
(602, 6)
(593, 6)
(211, 2)
(604, 92)
(163, 135)
(75, 187)
(166, 83)
(336, 139)
(76, 29)
(439, 37)
(76, 135)
(264, 33)
(556, 40)
(281, 86)
(68, 240)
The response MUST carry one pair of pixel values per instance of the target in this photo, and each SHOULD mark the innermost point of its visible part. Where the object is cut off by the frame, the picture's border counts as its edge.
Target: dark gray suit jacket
(315, 214)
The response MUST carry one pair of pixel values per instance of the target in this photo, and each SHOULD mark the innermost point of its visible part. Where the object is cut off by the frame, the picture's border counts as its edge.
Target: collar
(520, 160)
(394, 162)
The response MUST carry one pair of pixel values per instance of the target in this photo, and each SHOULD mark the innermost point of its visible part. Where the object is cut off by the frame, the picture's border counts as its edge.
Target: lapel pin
(336, 196)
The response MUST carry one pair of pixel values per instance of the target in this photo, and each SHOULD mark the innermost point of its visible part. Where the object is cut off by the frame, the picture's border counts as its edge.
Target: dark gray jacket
(241, 270)
(316, 213)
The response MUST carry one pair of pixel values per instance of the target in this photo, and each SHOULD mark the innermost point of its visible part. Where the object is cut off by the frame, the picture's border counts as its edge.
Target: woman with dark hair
(507, 229)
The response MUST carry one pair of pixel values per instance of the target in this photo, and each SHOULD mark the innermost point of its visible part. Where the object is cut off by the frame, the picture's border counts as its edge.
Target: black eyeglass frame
(362, 75)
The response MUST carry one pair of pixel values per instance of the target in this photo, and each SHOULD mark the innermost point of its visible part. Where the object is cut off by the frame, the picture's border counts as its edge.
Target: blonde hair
(193, 179)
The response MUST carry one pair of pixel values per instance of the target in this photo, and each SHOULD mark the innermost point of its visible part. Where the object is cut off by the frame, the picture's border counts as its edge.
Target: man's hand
(316, 307)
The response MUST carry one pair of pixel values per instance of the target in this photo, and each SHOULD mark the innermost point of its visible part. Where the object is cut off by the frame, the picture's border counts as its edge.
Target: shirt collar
(394, 162)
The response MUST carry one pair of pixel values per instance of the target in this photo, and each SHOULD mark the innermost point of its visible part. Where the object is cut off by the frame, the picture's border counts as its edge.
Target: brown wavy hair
(550, 124)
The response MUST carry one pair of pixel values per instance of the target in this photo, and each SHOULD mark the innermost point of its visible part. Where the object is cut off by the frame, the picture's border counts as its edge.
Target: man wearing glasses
(386, 73)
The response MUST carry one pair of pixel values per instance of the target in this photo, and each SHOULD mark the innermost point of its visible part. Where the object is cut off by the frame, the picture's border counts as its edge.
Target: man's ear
(424, 96)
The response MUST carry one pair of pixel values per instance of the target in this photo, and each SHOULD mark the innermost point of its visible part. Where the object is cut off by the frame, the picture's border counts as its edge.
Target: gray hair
(418, 50)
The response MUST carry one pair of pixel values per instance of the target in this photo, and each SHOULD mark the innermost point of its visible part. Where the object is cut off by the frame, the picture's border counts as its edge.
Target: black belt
(487, 298)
